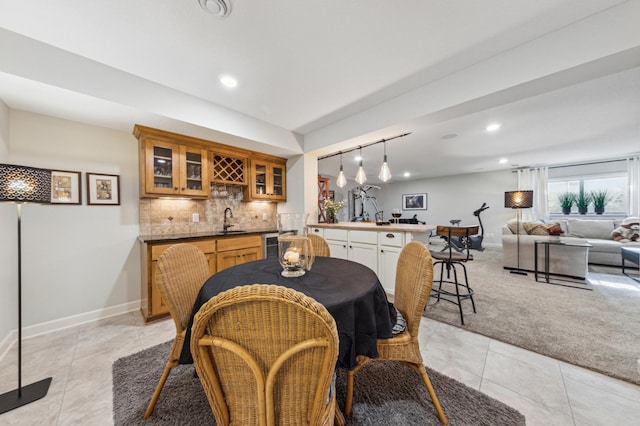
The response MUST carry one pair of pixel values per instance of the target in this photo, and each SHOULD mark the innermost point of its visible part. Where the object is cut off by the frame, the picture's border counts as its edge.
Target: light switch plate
(264, 216)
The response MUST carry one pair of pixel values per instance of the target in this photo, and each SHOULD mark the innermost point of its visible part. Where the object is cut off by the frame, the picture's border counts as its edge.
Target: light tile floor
(546, 391)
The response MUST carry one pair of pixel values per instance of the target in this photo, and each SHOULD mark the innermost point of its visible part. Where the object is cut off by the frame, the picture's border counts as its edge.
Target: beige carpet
(598, 329)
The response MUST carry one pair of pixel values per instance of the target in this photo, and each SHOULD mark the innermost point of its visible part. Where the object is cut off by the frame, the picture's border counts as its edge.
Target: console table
(560, 245)
(630, 254)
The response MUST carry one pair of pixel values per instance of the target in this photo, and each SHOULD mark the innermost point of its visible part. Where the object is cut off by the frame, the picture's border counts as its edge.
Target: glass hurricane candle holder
(295, 255)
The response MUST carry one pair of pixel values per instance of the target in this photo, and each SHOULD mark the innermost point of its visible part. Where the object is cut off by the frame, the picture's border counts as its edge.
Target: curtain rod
(363, 146)
(562, 166)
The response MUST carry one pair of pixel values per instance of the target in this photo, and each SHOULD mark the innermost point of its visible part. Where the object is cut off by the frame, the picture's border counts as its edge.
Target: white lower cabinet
(338, 249)
(391, 244)
(363, 248)
(337, 239)
(377, 250)
(316, 231)
(366, 254)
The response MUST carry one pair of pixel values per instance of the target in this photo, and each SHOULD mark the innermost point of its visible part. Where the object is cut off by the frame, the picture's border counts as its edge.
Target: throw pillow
(596, 229)
(400, 324)
(550, 225)
(536, 228)
(533, 228)
(514, 230)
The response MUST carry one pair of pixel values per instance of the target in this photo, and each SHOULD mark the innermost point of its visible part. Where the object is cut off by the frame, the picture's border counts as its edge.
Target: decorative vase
(554, 237)
(292, 223)
(331, 218)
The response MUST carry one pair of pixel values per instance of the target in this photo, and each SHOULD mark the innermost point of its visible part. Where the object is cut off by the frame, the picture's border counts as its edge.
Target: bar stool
(450, 258)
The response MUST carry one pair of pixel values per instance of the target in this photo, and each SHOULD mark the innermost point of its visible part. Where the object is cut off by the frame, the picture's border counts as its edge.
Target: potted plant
(332, 208)
(582, 201)
(600, 199)
(567, 200)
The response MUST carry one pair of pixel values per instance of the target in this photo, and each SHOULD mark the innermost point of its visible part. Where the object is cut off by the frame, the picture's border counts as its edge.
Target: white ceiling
(304, 66)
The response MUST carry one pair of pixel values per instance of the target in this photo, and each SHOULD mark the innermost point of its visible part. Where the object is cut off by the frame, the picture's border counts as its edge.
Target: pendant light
(385, 173)
(342, 179)
(361, 177)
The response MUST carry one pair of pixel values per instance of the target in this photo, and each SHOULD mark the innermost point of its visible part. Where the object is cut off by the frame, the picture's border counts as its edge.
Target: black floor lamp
(518, 200)
(19, 185)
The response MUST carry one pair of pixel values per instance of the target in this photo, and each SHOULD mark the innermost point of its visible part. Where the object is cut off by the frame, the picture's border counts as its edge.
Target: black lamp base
(30, 393)
(518, 272)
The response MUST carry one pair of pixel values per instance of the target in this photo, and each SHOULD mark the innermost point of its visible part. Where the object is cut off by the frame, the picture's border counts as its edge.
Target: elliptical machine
(475, 241)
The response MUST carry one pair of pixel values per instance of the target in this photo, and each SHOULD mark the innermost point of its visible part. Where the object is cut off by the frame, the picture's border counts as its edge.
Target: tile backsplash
(168, 216)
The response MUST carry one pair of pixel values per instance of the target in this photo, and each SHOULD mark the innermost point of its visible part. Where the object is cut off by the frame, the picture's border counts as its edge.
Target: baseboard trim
(62, 323)
(7, 342)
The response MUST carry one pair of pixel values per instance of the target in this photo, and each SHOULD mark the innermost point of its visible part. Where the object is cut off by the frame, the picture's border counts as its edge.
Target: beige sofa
(569, 261)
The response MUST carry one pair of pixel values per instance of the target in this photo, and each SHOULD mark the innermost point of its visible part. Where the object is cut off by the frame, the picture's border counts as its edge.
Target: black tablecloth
(351, 292)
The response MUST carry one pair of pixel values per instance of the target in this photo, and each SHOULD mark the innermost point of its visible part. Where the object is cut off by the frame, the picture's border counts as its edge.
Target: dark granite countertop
(200, 235)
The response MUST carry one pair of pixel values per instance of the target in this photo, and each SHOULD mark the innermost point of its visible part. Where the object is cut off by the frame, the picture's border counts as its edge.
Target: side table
(545, 274)
(630, 254)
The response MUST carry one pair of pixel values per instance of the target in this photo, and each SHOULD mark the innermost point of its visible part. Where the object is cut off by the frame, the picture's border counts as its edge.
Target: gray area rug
(598, 330)
(385, 393)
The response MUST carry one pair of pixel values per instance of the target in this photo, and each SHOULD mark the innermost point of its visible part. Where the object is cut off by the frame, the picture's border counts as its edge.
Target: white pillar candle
(292, 256)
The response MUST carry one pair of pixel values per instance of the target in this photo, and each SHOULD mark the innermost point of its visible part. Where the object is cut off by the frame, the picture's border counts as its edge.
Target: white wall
(456, 197)
(76, 259)
(8, 257)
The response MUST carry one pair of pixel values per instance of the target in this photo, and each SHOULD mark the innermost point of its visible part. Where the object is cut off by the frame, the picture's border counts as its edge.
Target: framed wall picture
(103, 190)
(65, 187)
(414, 201)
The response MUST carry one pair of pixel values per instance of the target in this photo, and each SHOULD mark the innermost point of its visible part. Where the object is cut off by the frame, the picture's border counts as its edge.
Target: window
(610, 176)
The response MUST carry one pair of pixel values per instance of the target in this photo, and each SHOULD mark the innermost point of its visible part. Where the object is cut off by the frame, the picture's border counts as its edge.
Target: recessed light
(228, 80)
(493, 127)
(503, 160)
(406, 174)
(450, 136)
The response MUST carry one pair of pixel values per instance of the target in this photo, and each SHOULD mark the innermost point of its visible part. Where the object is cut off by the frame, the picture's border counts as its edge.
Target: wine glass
(396, 214)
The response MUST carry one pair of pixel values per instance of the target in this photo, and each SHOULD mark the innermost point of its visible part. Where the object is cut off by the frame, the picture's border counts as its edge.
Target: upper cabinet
(228, 168)
(173, 169)
(182, 166)
(268, 179)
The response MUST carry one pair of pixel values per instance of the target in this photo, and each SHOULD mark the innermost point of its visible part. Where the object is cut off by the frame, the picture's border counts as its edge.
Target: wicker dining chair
(414, 278)
(320, 246)
(266, 355)
(181, 271)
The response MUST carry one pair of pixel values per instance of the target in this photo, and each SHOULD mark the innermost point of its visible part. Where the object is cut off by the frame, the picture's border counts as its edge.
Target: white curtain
(633, 168)
(536, 180)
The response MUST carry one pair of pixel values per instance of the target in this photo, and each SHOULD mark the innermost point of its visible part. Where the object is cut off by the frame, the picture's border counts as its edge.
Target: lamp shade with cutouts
(22, 184)
(518, 199)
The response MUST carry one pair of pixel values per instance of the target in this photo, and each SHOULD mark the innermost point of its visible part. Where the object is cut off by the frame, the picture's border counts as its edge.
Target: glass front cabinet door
(268, 181)
(174, 169)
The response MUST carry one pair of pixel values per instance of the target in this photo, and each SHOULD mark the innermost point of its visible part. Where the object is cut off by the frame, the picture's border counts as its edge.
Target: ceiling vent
(219, 8)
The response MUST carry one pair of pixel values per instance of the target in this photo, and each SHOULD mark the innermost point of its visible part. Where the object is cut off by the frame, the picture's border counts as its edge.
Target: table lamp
(518, 200)
(19, 185)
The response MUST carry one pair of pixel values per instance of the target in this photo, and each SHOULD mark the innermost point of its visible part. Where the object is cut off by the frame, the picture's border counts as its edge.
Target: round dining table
(350, 291)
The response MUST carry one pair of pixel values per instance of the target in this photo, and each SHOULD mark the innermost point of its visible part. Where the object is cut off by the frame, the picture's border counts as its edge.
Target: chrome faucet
(226, 225)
